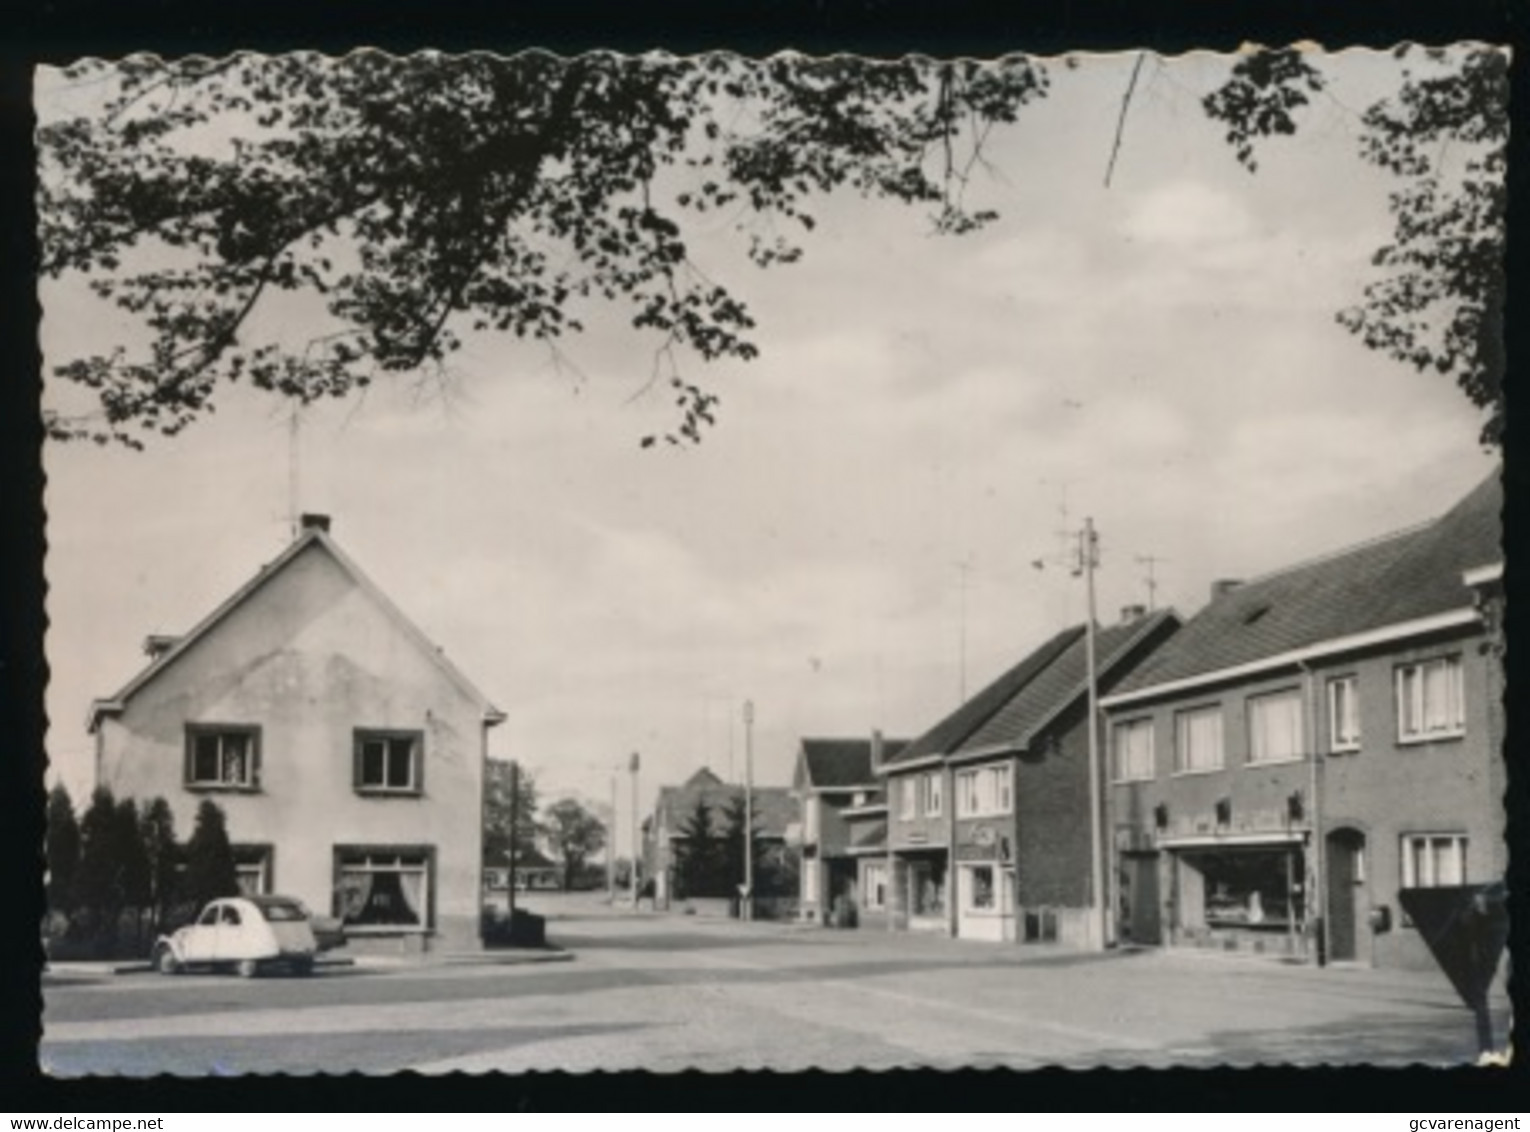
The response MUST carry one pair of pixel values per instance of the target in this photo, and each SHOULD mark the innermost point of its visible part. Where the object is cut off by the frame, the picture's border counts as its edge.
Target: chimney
(876, 750)
(314, 522)
(156, 645)
(1130, 613)
(1224, 586)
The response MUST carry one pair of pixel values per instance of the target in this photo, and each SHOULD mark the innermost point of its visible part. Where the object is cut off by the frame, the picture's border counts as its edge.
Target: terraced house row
(1276, 769)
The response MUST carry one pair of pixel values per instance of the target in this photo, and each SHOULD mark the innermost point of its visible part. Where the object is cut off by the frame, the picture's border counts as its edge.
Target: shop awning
(1232, 840)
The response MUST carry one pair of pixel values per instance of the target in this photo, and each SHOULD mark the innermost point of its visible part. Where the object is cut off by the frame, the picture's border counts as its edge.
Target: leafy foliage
(1258, 99)
(575, 835)
(156, 832)
(699, 855)
(210, 871)
(424, 198)
(62, 847)
(1440, 302)
(97, 884)
(510, 812)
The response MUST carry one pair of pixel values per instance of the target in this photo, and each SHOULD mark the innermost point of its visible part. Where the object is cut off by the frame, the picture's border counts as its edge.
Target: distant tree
(210, 871)
(62, 847)
(699, 861)
(510, 803)
(733, 844)
(132, 864)
(156, 832)
(575, 835)
(97, 882)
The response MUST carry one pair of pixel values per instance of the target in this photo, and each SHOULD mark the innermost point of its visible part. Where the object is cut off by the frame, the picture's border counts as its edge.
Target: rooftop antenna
(294, 518)
(1151, 581)
(964, 568)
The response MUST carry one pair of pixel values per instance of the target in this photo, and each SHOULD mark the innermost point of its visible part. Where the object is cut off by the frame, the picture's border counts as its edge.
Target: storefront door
(1139, 899)
(1346, 849)
(979, 914)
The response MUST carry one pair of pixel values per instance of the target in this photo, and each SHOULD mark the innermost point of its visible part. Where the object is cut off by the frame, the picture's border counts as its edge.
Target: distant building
(1314, 741)
(664, 831)
(345, 749)
(837, 788)
(988, 826)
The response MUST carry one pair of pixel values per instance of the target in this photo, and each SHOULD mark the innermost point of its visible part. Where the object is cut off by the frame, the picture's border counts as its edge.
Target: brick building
(1310, 743)
(988, 827)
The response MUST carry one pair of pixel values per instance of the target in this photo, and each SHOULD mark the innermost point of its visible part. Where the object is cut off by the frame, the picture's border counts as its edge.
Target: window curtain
(412, 890)
(355, 895)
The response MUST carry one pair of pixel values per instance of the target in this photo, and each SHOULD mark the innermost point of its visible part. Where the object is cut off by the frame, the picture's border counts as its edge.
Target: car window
(230, 914)
(210, 916)
(282, 911)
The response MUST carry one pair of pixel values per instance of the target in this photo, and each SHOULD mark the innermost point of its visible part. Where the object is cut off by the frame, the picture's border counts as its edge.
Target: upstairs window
(906, 800)
(388, 762)
(1343, 714)
(1275, 727)
(930, 794)
(1134, 750)
(220, 757)
(984, 791)
(1198, 740)
(1430, 703)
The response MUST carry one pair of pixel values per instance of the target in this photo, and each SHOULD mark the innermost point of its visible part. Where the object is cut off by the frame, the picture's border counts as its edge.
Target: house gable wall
(309, 657)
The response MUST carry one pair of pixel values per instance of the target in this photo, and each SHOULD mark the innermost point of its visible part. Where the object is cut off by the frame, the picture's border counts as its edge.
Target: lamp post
(632, 765)
(1088, 559)
(611, 848)
(746, 909)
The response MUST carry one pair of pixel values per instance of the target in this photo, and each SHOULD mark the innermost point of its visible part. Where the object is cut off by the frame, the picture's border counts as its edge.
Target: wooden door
(1344, 849)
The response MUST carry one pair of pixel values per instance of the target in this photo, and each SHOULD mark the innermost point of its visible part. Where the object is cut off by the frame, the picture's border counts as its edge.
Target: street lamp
(746, 910)
(632, 765)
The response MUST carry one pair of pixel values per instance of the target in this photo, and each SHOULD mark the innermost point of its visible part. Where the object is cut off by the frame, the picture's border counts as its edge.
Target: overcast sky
(1160, 355)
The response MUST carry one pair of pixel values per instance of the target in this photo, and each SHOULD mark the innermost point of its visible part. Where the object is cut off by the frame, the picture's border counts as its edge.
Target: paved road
(669, 993)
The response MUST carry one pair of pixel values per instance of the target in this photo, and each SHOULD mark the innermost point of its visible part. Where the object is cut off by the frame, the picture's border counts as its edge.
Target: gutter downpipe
(1319, 887)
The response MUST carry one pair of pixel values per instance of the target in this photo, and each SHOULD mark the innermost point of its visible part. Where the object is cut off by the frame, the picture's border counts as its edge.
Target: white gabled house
(346, 750)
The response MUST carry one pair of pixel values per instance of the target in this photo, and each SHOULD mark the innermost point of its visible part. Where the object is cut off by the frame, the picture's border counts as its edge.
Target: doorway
(1137, 891)
(1346, 880)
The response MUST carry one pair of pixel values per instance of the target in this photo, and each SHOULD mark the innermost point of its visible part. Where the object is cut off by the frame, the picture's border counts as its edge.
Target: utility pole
(515, 813)
(294, 439)
(746, 909)
(636, 833)
(964, 566)
(611, 848)
(1088, 561)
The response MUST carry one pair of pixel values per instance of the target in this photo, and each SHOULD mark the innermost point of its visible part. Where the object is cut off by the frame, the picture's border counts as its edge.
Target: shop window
(383, 888)
(1430, 702)
(980, 888)
(252, 869)
(875, 888)
(1275, 727)
(927, 888)
(1343, 714)
(1133, 748)
(388, 762)
(220, 757)
(1255, 889)
(1198, 740)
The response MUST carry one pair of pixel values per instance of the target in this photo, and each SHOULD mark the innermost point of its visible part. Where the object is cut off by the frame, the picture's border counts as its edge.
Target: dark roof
(869, 835)
(832, 763)
(1401, 577)
(775, 807)
(1016, 723)
(954, 728)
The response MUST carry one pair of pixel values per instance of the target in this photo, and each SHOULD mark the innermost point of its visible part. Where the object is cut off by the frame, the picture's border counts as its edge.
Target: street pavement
(671, 992)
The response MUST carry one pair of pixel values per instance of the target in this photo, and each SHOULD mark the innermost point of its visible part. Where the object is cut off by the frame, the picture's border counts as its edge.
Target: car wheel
(165, 961)
(302, 967)
(247, 968)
